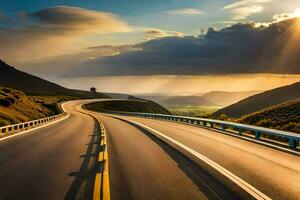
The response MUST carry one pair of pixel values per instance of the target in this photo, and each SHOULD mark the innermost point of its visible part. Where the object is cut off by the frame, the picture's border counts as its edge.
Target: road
(52, 162)
(273, 172)
(60, 162)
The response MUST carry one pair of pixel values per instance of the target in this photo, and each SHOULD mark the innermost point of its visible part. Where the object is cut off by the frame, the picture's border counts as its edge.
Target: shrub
(5, 102)
(6, 90)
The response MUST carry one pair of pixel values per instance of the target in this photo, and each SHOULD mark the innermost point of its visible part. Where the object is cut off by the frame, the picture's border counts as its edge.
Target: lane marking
(98, 180)
(101, 185)
(106, 188)
(237, 180)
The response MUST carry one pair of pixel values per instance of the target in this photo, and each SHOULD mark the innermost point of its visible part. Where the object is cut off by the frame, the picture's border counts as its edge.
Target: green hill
(285, 116)
(32, 85)
(261, 101)
(132, 105)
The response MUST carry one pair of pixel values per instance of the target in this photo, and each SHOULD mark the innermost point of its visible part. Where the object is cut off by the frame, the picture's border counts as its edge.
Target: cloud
(109, 50)
(154, 33)
(79, 19)
(54, 31)
(285, 16)
(244, 12)
(245, 3)
(64, 64)
(279, 17)
(242, 9)
(239, 49)
(157, 33)
(185, 11)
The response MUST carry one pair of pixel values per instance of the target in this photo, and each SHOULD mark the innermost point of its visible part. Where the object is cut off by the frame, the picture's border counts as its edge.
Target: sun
(296, 13)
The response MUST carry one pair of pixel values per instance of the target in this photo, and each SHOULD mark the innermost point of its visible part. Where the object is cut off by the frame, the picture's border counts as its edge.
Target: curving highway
(59, 161)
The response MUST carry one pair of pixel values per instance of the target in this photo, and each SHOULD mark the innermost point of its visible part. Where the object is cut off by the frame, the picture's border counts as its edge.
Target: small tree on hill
(93, 89)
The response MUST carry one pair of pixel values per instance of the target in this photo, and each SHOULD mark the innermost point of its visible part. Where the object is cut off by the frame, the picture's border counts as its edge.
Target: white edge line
(240, 182)
(32, 129)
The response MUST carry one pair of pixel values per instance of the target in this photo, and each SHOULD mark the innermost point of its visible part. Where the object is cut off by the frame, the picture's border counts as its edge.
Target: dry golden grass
(285, 116)
(16, 106)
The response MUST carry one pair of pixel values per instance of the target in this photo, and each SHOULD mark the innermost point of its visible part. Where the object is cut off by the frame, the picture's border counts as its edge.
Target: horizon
(165, 85)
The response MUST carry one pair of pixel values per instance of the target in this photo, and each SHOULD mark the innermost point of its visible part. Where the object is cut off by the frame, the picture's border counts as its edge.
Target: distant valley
(198, 105)
(214, 98)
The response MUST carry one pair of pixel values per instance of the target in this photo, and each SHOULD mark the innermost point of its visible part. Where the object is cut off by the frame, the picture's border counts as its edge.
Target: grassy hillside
(16, 107)
(193, 111)
(285, 116)
(128, 106)
(262, 101)
(32, 85)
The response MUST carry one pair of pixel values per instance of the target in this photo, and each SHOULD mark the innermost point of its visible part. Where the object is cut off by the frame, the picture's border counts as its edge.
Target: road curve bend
(59, 161)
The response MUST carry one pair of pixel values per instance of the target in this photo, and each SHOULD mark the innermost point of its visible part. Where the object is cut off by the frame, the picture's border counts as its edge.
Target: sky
(150, 46)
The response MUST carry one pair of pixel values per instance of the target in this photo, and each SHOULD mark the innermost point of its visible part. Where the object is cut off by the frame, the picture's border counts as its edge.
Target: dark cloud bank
(241, 48)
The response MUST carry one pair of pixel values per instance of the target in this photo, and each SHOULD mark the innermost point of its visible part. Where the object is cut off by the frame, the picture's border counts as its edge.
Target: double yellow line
(101, 186)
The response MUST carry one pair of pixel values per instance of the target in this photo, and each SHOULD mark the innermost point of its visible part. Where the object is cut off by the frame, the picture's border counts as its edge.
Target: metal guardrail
(240, 129)
(15, 128)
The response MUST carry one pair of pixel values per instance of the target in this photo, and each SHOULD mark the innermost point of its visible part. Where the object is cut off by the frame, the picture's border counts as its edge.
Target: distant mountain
(156, 98)
(262, 101)
(32, 85)
(214, 98)
(187, 100)
(285, 116)
(227, 98)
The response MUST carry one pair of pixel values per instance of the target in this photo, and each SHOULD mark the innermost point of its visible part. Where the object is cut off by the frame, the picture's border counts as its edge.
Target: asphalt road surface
(273, 172)
(60, 161)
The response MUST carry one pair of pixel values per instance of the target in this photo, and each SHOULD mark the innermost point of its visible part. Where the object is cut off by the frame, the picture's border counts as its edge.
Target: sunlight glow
(296, 13)
(291, 39)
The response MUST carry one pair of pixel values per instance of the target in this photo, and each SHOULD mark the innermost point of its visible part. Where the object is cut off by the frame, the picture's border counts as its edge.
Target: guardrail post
(223, 127)
(240, 131)
(257, 135)
(293, 143)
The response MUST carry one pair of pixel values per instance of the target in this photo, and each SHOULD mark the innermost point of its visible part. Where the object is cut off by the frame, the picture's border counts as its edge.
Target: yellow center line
(97, 186)
(102, 178)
